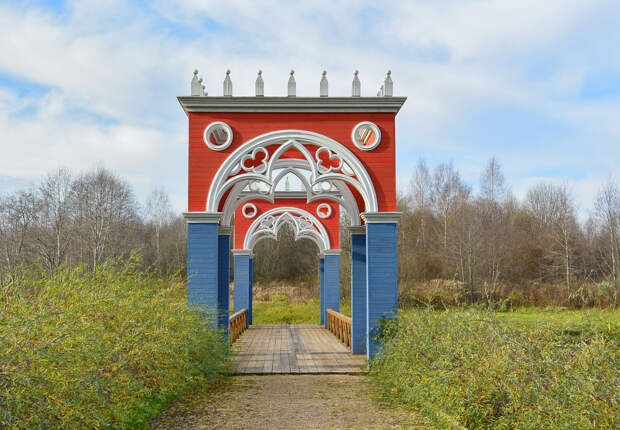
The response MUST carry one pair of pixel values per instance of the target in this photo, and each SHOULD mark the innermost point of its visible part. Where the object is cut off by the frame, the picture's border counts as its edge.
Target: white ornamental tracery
(303, 223)
(252, 164)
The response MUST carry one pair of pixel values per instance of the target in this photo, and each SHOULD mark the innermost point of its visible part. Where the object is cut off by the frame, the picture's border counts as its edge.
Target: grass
(104, 350)
(533, 369)
(280, 310)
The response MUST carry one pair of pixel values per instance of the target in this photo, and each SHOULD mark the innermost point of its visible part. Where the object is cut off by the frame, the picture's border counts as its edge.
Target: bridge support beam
(223, 308)
(202, 263)
(243, 268)
(331, 281)
(358, 290)
(381, 274)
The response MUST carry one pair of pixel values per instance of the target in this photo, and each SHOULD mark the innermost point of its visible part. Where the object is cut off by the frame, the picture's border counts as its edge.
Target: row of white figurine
(198, 88)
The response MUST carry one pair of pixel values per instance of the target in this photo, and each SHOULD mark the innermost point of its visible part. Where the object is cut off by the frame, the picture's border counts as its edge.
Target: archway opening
(286, 280)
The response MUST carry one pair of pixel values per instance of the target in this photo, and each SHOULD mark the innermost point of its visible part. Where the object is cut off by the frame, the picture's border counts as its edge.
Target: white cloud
(452, 58)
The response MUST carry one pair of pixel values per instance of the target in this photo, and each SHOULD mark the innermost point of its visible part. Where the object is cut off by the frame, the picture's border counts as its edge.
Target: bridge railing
(238, 324)
(340, 326)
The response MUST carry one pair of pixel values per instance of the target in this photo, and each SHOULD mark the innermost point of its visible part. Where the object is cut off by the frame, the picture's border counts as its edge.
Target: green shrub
(103, 350)
(468, 368)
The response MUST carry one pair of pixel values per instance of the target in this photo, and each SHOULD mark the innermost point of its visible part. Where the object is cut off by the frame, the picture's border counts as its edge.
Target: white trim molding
(381, 217)
(202, 217)
(357, 229)
(356, 138)
(219, 128)
(291, 104)
(248, 252)
(304, 225)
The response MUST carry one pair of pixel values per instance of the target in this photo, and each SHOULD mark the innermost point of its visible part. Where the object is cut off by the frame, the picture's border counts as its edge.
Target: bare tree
(105, 208)
(17, 216)
(158, 213)
(448, 194)
(607, 210)
(421, 188)
(55, 217)
(492, 182)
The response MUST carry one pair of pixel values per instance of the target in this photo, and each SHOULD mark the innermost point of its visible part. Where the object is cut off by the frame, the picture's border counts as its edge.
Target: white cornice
(357, 229)
(247, 252)
(381, 217)
(331, 252)
(202, 217)
(291, 104)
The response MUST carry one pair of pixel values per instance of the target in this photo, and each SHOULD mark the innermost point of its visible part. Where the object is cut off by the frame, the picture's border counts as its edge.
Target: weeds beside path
(287, 402)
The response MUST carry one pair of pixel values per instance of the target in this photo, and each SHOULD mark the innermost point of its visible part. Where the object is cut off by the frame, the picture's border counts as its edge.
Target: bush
(102, 350)
(469, 368)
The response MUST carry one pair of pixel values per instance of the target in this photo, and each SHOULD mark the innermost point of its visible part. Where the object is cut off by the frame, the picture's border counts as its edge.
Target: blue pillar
(321, 274)
(202, 262)
(331, 280)
(223, 309)
(243, 282)
(358, 290)
(381, 274)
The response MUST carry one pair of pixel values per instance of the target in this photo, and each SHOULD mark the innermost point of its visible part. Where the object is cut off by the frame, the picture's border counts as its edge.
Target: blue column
(381, 274)
(202, 267)
(223, 309)
(358, 290)
(243, 282)
(331, 276)
(321, 274)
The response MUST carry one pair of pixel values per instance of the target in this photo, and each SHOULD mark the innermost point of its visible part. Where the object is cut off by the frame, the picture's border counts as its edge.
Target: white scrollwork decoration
(303, 224)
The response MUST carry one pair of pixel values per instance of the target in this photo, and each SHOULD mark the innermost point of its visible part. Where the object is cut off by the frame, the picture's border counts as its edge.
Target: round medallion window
(218, 136)
(324, 210)
(366, 136)
(249, 210)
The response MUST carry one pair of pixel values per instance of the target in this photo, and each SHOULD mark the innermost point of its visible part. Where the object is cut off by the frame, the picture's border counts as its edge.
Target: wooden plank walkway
(293, 349)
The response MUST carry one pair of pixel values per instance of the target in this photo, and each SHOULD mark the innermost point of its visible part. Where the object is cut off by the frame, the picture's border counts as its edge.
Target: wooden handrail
(238, 324)
(340, 326)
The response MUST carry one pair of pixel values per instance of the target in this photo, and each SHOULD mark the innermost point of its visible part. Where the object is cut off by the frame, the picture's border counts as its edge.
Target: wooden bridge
(295, 349)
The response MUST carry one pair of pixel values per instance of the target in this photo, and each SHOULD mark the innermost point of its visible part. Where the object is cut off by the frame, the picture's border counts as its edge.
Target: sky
(534, 84)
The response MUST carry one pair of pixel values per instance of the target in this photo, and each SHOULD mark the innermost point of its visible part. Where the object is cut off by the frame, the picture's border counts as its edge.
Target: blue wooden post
(358, 290)
(381, 273)
(224, 279)
(202, 262)
(322, 277)
(243, 282)
(331, 276)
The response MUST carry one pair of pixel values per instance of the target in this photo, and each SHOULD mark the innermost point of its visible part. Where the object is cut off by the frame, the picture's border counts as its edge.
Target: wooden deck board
(293, 349)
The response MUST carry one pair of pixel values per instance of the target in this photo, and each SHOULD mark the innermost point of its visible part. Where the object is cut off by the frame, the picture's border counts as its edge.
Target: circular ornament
(324, 210)
(249, 210)
(366, 136)
(218, 136)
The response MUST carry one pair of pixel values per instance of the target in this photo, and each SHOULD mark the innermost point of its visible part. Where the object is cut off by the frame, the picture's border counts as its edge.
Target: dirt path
(288, 402)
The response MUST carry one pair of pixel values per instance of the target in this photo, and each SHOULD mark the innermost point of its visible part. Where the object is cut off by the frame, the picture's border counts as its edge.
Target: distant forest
(454, 246)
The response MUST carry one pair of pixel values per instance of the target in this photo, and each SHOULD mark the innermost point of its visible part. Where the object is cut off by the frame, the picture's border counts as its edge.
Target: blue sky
(535, 84)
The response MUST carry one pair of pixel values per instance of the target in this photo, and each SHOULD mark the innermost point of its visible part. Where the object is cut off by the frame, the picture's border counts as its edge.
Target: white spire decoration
(356, 87)
(323, 91)
(196, 90)
(227, 85)
(291, 85)
(380, 92)
(260, 85)
(388, 85)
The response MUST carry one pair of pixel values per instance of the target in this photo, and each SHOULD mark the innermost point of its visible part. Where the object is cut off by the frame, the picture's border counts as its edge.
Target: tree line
(454, 245)
(86, 219)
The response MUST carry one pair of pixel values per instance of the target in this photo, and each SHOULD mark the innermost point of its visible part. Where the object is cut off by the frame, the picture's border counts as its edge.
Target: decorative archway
(341, 150)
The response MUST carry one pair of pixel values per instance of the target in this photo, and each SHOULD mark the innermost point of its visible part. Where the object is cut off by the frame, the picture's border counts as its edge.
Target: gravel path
(287, 402)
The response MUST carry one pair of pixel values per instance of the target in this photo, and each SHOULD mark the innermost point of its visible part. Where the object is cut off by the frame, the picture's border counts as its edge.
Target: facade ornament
(249, 210)
(323, 91)
(380, 92)
(260, 85)
(388, 85)
(292, 85)
(217, 136)
(356, 90)
(324, 210)
(366, 136)
(196, 89)
(227, 85)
